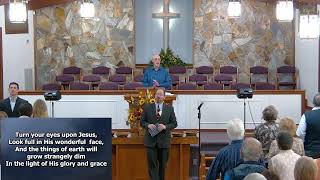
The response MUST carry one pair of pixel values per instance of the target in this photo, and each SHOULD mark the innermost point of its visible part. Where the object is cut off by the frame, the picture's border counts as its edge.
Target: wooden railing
(205, 163)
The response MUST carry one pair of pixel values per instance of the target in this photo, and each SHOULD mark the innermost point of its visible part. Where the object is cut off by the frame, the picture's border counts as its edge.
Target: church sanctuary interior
(95, 52)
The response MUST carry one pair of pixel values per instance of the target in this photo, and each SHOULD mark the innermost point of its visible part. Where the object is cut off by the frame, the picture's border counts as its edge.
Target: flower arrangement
(136, 103)
(168, 59)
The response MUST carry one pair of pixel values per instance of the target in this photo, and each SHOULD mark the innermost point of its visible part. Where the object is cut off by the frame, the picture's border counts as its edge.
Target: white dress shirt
(301, 130)
(13, 102)
(160, 107)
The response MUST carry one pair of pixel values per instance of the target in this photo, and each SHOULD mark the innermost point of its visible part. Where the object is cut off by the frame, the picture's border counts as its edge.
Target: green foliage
(168, 59)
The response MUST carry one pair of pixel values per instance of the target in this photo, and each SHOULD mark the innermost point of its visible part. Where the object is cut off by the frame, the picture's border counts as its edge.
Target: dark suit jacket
(167, 118)
(6, 107)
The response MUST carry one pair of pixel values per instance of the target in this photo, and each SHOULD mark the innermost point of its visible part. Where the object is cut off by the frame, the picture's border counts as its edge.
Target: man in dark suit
(11, 104)
(158, 117)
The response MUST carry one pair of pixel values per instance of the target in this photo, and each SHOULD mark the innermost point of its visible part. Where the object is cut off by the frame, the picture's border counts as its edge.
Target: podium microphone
(199, 131)
(199, 107)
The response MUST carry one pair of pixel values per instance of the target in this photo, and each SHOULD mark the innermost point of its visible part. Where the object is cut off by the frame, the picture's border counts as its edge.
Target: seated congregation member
(228, 156)
(3, 114)
(309, 128)
(268, 131)
(25, 110)
(40, 109)
(255, 176)
(283, 163)
(287, 124)
(305, 169)
(157, 76)
(11, 104)
(269, 175)
(251, 152)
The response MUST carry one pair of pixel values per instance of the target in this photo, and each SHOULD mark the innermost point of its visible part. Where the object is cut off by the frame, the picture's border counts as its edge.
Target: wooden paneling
(195, 92)
(14, 28)
(129, 160)
(3, 2)
(37, 4)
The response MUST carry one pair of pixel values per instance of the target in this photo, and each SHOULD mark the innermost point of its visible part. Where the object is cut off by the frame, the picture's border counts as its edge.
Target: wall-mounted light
(284, 10)
(234, 8)
(87, 9)
(18, 11)
(308, 26)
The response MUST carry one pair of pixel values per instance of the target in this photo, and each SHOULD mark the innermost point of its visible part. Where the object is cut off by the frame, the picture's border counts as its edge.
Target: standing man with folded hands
(158, 119)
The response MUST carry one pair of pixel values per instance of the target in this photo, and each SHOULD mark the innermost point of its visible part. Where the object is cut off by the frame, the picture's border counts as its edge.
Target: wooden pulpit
(136, 103)
(129, 159)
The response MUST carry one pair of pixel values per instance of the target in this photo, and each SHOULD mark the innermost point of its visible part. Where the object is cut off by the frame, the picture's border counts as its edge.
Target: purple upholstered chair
(138, 78)
(65, 80)
(236, 86)
(286, 76)
(205, 70)
(108, 86)
(224, 79)
(187, 86)
(199, 79)
(118, 78)
(51, 87)
(175, 80)
(102, 71)
(127, 71)
(72, 70)
(213, 86)
(79, 86)
(93, 79)
(258, 74)
(230, 70)
(264, 86)
(179, 71)
(132, 86)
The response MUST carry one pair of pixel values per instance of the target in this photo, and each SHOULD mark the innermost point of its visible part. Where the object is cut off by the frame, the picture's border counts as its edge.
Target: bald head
(251, 149)
(255, 176)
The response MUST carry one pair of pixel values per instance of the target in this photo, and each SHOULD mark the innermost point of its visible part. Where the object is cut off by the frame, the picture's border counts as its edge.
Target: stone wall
(256, 38)
(63, 38)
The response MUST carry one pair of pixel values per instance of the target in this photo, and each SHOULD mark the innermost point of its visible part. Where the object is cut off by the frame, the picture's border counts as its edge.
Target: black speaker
(244, 93)
(52, 95)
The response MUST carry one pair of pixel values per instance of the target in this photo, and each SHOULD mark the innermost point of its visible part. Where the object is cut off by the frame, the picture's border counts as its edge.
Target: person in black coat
(11, 104)
(158, 119)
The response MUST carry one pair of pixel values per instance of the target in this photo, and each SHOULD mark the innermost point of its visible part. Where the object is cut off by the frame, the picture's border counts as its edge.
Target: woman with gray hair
(268, 131)
(287, 124)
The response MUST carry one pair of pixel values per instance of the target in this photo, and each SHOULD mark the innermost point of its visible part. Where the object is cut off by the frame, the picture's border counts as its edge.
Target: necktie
(158, 112)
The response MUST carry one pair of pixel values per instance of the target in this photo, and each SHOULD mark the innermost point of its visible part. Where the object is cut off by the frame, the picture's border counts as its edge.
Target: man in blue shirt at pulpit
(157, 76)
